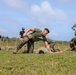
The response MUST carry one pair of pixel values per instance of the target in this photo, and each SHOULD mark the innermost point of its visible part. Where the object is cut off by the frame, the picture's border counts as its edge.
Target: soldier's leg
(24, 47)
(72, 46)
(21, 44)
(30, 46)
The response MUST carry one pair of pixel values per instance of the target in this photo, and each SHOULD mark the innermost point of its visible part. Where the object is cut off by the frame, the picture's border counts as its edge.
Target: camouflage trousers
(72, 46)
(30, 44)
(52, 46)
(24, 47)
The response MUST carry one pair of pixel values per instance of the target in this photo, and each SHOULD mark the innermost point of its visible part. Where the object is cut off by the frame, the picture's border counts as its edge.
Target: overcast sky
(56, 15)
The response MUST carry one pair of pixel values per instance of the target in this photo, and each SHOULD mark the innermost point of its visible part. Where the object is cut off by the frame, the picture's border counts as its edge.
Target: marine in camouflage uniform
(52, 45)
(73, 40)
(0, 38)
(0, 42)
(21, 39)
(21, 33)
(73, 43)
(29, 39)
(43, 50)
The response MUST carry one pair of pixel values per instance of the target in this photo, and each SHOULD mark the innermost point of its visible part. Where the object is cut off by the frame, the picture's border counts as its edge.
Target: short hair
(47, 30)
(23, 28)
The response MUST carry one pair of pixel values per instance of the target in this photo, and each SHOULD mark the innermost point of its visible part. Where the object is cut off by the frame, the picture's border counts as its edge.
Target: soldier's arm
(28, 30)
(48, 47)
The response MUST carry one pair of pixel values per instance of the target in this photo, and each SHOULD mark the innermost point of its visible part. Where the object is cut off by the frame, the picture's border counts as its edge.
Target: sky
(56, 15)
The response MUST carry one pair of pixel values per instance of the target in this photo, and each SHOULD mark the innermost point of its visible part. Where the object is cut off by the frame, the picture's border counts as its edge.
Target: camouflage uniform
(73, 41)
(30, 39)
(0, 38)
(21, 39)
(43, 49)
(73, 44)
(52, 45)
(0, 42)
(21, 33)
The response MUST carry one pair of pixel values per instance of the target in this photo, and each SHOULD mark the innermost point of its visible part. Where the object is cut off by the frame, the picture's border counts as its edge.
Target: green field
(38, 64)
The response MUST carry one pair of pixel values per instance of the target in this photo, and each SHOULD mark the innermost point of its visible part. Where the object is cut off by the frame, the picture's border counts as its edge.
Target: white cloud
(43, 9)
(15, 3)
(46, 7)
(36, 9)
(62, 1)
(60, 14)
(46, 11)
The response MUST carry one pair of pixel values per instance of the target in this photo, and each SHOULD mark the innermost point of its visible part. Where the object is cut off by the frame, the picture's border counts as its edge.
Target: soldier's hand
(52, 52)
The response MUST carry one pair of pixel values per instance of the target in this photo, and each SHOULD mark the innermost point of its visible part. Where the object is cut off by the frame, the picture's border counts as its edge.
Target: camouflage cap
(47, 30)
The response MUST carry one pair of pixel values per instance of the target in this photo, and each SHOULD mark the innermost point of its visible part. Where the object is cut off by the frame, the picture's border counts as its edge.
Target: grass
(38, 64)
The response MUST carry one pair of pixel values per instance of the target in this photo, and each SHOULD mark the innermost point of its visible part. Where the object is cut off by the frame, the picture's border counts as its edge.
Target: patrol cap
(47, 30)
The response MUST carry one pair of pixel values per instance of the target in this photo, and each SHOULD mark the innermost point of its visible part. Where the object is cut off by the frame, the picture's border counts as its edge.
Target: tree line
(14, 39)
